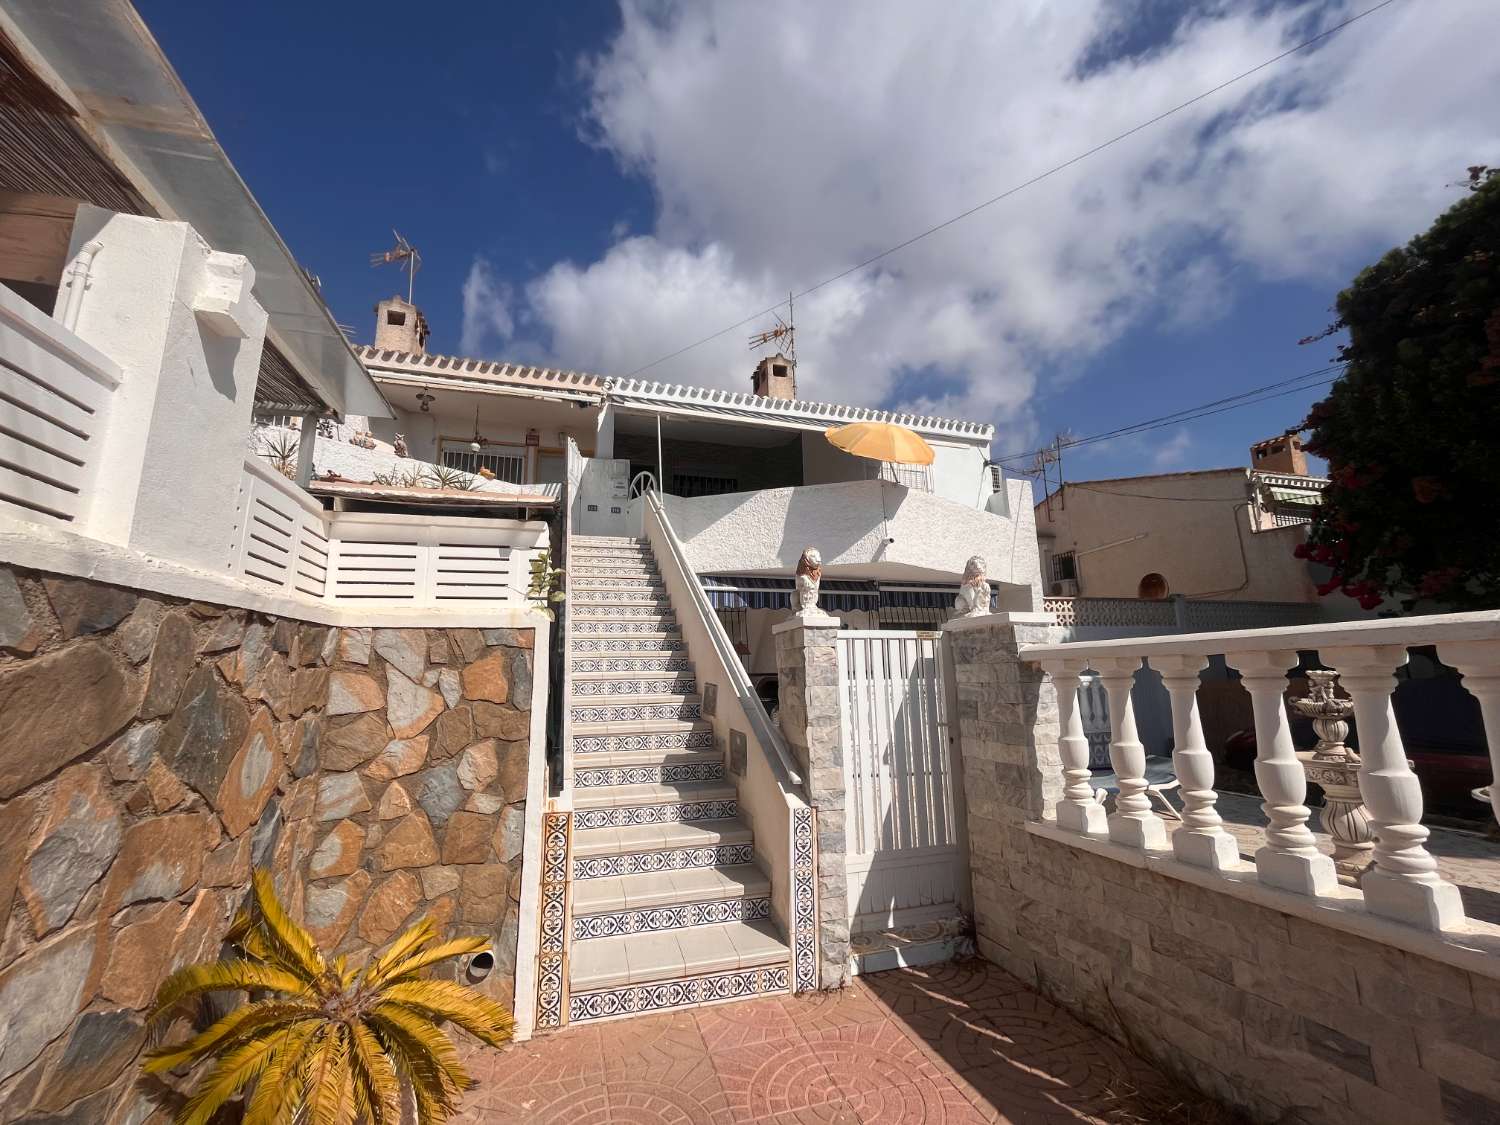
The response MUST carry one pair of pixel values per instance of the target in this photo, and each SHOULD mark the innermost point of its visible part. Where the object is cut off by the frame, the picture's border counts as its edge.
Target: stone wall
(153, 751)
(1288, 1018)
(808, 711)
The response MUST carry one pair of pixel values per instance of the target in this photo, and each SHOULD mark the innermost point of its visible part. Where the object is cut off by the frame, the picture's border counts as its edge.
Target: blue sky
(595, 185)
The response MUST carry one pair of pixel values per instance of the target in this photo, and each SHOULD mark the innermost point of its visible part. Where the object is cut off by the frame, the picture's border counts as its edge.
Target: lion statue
(809, 575)
(974, 591)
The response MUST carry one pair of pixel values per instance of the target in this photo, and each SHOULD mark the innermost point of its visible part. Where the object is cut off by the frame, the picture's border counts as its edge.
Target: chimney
(1279, 455)
(400, 327)
(775, 377)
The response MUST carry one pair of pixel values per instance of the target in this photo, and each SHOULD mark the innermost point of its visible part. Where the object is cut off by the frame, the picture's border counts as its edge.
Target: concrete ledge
(1004, 617)
(1475, 948)
(54, 550)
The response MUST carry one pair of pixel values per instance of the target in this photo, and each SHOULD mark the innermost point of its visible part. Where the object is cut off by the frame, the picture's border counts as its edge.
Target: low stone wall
(153, 751)
(1285, 1017)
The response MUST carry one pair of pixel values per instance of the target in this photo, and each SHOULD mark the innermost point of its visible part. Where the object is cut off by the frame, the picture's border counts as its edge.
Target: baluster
(1201, 840)
(1479, 664)
(1290, 858)
(1404, 882)
(1078, 811)
(1132, 823)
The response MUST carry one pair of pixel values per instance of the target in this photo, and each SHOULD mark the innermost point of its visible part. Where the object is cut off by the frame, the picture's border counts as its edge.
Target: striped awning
(746, 591)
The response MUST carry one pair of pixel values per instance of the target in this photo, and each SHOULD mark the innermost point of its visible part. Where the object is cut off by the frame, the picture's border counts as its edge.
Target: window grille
(918, 478)
(913, 616)
(692, 484)
(736, 624)
(1064, 567)
(507, 462)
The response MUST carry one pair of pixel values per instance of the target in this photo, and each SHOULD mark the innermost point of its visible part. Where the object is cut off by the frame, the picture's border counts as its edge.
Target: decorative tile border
(676, 993)
(628, 644)
(591, 600)
(662, 625)
(674, 917)
(804, 901)
(637, 863)
(667, 773)
(633, 712)
(675, 812)
(633, 665)
(682, 684)
(552, 976)
(604, 582)
(653, 740)
(589, 570)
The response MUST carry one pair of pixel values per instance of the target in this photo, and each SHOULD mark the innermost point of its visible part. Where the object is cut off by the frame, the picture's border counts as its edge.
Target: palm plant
(320, 1042)
(280, 448)
(445, 476)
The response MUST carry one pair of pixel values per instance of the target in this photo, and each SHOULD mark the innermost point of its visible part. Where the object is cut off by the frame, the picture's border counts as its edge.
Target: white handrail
(766, 732)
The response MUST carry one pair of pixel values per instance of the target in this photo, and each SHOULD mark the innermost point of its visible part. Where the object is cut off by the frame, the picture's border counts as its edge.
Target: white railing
(1189, 615)
(285, 539)
(1403, 884)
(55, 393)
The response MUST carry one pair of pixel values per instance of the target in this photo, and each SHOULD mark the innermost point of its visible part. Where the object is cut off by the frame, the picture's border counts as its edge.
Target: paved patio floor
(951, 1044)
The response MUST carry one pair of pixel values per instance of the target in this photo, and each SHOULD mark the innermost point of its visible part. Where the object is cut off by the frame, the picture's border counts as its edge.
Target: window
(692, 484)
(778, 370)
(1064, 567)
(736, 624)
(395, 317)
(507, 462)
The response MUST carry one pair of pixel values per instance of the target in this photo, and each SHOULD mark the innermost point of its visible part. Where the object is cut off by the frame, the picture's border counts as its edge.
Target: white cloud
(486, 311)
(785, 141)
(1168, 453)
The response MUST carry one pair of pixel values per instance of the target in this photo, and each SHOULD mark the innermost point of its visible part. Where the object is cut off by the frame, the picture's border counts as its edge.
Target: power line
(1302, 46)
(1251, 397)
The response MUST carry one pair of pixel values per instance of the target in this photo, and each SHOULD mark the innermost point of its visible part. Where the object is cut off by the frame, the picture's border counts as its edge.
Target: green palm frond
(322, 1043)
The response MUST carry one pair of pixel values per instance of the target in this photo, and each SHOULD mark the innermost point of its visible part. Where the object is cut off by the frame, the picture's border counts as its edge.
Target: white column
(1479, 664)
(1132, 823)
(1201, 840)
(305, 444)
(1078, 811)
(1404, 882)
(1290, 858)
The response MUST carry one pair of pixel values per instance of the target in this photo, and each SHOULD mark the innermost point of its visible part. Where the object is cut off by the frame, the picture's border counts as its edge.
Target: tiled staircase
(667, 904)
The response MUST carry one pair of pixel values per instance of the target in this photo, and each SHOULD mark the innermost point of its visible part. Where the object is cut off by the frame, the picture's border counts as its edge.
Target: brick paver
(947, 1045)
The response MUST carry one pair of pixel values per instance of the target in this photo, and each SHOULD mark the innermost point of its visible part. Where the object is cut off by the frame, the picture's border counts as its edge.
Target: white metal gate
(905, 862)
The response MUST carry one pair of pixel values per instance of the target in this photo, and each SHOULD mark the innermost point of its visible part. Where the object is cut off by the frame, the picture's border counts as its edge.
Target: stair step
(646, 767)
(655, 889)
(606, 569)
(634, 959)
(627, 644)
(660, 847)
(643, 661)
(591, 551)
(631, 806)
(609, 540)
(648, 616)
(652, 735)
(598, 685)
(584, 586)
(658, 629)
(632, 709)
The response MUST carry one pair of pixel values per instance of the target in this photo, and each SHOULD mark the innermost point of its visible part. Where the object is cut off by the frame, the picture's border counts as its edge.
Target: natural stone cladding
(152, 751)
(1286, 1018)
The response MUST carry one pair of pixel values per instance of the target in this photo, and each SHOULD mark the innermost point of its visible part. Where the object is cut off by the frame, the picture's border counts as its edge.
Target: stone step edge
(593, 818)
(684, 992)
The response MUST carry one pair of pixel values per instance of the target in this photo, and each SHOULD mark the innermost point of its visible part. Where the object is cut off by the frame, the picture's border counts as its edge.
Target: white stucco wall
(159, 304)
(766, 532)
(958, 471)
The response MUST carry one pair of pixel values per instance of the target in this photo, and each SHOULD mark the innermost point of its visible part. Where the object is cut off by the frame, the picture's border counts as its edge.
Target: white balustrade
(1078, 810)
(1290, 858)
(1404, 882)
(1133, 823)
(1403, 885)
(1201, 840)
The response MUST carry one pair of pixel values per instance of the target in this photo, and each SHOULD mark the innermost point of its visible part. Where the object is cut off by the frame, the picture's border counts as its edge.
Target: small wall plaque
(593, 507)
(710, 699)
(614, 511)
(738, 753)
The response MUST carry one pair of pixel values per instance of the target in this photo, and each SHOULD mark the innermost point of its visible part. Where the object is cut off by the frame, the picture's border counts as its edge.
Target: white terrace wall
(1255, 998)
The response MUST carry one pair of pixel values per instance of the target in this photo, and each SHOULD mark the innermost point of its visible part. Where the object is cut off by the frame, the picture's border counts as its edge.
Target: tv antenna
(784, 335)
(404, 254)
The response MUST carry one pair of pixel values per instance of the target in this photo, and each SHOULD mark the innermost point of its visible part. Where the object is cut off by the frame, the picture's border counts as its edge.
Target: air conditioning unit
(1065, 588)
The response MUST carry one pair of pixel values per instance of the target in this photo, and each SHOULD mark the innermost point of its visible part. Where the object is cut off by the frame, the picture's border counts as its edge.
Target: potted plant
(319, 1041)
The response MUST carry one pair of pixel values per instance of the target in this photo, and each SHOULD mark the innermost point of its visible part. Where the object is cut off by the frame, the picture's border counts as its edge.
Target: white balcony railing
(285, 539)
(55, 393)
(1403, 884)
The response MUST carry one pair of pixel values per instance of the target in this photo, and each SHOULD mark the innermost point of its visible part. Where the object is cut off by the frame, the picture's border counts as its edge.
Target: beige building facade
(1217, 534)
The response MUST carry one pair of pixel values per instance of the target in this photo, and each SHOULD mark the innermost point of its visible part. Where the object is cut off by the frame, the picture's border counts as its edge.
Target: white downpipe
(767, 733)
(79, 270)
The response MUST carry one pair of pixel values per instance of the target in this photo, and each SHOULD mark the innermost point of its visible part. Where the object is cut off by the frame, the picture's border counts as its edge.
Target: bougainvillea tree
(1411, 430)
